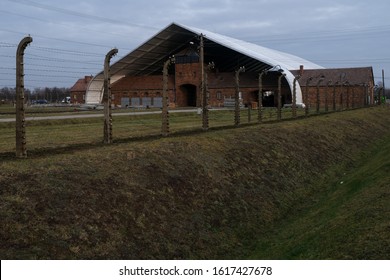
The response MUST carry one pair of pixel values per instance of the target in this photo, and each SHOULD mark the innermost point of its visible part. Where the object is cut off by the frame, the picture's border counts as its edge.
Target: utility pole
(237, 97)
(165, 99)
(21, 150)
(107, 97)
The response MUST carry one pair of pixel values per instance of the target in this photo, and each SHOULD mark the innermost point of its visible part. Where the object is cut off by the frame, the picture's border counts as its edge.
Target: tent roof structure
(227, 53)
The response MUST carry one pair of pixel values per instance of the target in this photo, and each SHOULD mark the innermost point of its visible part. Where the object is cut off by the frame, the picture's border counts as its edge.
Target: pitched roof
(227, 53)
(355, 76)
(82, 84)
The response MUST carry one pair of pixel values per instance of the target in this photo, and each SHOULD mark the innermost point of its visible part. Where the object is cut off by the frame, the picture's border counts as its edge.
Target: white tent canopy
(225, 51)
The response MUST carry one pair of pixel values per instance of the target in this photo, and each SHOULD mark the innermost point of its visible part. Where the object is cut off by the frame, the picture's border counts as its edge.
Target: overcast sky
(71, 38)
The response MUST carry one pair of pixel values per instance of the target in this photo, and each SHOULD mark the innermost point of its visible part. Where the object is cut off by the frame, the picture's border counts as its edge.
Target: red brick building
(184, 88)
(79, 89)
(137, 78)
(347, 87)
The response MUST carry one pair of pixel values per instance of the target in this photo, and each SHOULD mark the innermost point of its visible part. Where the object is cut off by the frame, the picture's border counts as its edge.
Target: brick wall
(184, 89)
(345, 96)
(77, 97)
(141, 86)
(188, 82)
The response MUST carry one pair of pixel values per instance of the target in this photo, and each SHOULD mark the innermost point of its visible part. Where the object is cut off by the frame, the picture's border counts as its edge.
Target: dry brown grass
(197, 196)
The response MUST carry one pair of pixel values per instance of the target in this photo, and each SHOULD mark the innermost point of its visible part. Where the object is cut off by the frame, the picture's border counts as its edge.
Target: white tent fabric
(147, 58)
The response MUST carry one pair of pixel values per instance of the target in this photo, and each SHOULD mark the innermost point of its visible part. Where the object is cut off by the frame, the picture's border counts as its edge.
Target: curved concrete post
(107, 97)
(21, 150)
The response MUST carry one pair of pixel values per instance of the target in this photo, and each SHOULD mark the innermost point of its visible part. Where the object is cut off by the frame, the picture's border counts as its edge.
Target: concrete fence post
(206, 97)
(282, 75)
(107, 99)
(260, 97)
(237, 97)
(165, 99)
(21, 150)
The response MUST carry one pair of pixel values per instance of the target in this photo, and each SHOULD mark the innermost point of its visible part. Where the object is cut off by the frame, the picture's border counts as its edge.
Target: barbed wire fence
(51, 66)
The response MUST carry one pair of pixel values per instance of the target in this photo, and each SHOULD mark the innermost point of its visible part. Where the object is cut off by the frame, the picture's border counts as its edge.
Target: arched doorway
(188, 95)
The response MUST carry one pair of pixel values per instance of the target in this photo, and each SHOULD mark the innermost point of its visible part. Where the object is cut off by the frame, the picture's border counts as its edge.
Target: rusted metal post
(107, 99)
(237, 97)
(21, 150)
(165, 99)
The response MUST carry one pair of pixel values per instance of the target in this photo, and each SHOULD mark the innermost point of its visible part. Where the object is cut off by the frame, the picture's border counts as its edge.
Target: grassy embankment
(267, 191)
(349, 219)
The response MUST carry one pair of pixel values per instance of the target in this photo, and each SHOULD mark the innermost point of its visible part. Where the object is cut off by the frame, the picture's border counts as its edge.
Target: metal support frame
(21, 150)
(107, 99)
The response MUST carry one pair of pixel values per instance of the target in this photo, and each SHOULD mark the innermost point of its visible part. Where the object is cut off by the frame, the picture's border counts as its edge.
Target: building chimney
(301, 70)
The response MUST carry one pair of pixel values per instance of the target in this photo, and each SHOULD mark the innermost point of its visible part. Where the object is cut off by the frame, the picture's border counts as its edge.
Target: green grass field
(51, 134)
(347, 219)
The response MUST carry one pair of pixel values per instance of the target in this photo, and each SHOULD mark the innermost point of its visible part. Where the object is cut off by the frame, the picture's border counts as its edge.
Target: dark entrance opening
(189, 95)
(269, 99)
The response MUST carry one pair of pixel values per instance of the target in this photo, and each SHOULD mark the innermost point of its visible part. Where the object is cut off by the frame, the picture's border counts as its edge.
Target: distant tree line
(52, 95)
